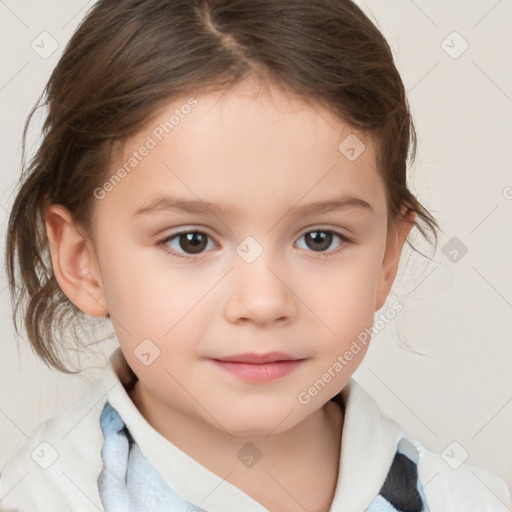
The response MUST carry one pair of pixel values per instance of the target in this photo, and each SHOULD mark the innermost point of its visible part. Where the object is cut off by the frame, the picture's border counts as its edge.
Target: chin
(252, 431)
(259, 424)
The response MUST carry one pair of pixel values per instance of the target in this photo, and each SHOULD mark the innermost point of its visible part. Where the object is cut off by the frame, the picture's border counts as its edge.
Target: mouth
(259, 367)
(253, 358)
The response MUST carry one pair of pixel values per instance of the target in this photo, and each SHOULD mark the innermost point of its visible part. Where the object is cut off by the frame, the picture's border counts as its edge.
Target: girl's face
(264, 272)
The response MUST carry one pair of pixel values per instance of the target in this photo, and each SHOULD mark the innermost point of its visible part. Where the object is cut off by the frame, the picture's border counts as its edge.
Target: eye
(194, 242)
(320, 239)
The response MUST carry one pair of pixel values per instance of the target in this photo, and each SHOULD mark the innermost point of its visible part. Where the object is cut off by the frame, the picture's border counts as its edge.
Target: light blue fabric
(379, 504)
(128, 482)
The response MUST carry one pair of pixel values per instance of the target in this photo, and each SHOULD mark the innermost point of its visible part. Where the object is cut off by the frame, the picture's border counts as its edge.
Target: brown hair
(129, 57)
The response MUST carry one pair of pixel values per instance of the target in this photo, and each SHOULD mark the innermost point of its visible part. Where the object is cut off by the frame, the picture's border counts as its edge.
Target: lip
(253, 358)
(259, 367)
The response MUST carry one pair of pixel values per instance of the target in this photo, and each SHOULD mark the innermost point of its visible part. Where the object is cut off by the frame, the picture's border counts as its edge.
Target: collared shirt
(57, 468)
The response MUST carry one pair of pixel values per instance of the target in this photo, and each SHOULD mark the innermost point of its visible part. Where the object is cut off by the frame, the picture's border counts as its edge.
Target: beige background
(457, 311)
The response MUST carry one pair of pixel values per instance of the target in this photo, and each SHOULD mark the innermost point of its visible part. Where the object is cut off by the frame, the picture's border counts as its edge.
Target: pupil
(321, 239)
(195, 240)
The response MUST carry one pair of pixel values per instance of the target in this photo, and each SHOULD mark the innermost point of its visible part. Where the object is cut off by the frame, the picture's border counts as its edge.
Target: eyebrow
(176, 204)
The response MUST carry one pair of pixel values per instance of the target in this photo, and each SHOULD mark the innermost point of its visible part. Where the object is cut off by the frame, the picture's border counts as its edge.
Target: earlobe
(394, 244)
(74, 263)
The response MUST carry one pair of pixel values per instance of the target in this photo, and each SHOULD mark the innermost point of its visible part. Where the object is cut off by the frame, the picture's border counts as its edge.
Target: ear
(397, 234)
(74, 262)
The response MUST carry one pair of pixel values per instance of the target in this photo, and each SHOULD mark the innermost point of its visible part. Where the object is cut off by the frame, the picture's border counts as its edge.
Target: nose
(259, 293)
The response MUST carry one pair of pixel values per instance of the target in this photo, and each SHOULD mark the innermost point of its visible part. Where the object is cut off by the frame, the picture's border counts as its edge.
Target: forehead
(247, 147)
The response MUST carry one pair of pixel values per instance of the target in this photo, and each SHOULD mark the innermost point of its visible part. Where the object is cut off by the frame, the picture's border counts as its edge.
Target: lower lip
(259, 372)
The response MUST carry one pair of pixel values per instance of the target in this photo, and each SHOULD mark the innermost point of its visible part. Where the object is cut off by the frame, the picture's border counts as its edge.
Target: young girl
(225, 180)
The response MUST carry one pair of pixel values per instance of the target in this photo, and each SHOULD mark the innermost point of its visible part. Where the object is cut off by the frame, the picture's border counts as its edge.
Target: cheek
(344, 332)
(149, 300)
(140, 288)
(345, 299)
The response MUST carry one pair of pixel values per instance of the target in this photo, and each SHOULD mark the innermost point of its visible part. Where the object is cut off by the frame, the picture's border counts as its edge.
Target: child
(258, 129)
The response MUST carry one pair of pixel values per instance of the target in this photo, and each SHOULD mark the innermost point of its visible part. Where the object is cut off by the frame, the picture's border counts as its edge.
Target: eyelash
(163, 243)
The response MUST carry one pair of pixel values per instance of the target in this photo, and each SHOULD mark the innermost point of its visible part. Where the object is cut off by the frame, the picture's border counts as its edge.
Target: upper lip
(254, 358)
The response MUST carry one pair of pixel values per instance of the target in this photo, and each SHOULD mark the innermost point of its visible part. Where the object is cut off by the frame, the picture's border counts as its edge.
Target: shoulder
(450, 484)
(58, 464)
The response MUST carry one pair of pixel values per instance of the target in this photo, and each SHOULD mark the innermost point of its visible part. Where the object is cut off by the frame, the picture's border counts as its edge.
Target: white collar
(368, 445)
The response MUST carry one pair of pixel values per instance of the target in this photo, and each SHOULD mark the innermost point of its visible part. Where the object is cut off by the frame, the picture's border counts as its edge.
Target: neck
(303, 459)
